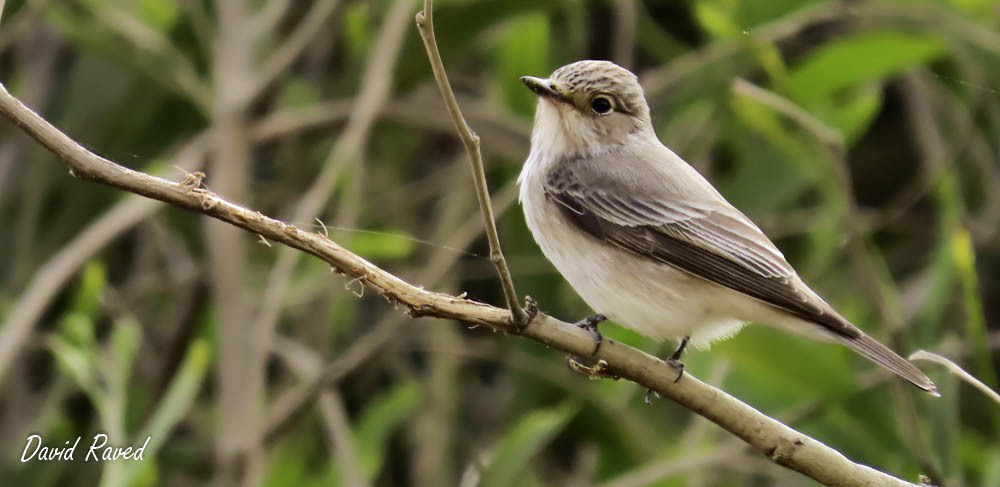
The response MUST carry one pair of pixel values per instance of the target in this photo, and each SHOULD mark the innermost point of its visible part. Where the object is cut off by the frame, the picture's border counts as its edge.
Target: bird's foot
(651, 395)
(674, 360)
(530, 312)
(590, 324)
(677, 364)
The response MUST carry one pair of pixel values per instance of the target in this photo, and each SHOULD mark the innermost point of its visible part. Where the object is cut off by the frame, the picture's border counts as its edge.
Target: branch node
(207, 200)
(781, 453)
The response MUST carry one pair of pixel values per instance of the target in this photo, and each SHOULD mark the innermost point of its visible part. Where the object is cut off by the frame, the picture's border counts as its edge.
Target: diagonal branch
(425, 24)
(782, 444)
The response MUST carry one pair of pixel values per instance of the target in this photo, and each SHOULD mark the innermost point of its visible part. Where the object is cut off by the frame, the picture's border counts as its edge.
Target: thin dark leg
(675, 360)
(590, 324)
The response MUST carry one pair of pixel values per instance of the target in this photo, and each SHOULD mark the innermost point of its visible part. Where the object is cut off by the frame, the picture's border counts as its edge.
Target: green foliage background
(861, 135)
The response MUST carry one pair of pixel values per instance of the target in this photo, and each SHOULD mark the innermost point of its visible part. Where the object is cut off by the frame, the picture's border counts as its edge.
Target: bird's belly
(650, 298)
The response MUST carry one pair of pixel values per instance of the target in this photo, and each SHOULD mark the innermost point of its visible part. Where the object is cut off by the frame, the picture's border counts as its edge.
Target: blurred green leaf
(179, 398)
(522, 50)
(757, 12)
(776, 369)
(863, 57)
(93, 281)
(522, 442)
(784, 163)
(296, 92)
(851, 115)
(288, 466)
(381, 245)
(975, 320)
(78, 330)
(125, 344)
(716, 17)
(79, 364)
(386, 412)
(158, 14)
(357, 28)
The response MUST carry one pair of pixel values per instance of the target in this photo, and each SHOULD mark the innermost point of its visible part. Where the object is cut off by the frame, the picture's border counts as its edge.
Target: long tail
(882, 355)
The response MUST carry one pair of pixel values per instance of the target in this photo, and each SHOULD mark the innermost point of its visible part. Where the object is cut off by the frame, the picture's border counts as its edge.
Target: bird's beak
(543, 87)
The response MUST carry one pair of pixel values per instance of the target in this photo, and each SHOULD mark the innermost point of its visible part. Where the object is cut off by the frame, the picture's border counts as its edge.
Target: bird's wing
(702, 235)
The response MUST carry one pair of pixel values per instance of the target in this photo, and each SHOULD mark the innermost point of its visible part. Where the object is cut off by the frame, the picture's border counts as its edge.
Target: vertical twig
(425, 24)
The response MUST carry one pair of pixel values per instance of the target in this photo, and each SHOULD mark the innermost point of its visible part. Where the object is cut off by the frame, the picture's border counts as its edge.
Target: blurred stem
(338, 430)
(239, 396)
(425, 24)
(927, 136)
(345, 154)
(432, 432)
(626, 14)
(292, 47)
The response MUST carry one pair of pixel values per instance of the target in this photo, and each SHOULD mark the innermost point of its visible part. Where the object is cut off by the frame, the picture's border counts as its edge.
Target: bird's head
(588, 107)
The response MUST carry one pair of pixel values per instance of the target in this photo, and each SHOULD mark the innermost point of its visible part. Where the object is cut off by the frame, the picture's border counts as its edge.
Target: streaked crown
(588, 78)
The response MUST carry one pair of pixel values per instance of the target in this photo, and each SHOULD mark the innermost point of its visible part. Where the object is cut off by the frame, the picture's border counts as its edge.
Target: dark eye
(601, 105)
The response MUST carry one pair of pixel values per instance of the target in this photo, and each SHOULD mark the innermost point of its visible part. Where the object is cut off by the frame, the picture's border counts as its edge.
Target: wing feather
(714, 242)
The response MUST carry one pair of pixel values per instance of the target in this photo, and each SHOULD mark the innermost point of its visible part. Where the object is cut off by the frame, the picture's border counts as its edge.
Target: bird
(646, 240)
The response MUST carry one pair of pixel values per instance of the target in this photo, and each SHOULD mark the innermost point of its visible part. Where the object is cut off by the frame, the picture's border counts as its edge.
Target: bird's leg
(675, 361)
(598, 370)
(590, 324)
(675, 358)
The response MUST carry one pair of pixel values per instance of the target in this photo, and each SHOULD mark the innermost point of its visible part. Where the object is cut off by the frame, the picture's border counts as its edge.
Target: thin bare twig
(780, 443)
(425, 24)
(956, 370)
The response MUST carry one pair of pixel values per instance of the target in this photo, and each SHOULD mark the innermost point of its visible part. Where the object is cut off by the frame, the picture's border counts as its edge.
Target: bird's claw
(590, 324)
(650, 396)
(677, 364)
(530, 312)
(675, 359)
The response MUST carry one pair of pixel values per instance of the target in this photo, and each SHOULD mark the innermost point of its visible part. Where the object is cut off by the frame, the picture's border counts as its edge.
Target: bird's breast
(653, 299)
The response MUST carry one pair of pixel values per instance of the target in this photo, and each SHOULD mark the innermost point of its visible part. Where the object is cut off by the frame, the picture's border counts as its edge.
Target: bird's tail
(882, 355)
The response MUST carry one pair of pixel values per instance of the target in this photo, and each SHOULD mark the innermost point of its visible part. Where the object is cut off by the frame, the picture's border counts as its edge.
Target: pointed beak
(542, 87)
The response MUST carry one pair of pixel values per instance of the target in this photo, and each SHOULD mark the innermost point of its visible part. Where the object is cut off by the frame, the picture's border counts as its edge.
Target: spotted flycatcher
(648, 242)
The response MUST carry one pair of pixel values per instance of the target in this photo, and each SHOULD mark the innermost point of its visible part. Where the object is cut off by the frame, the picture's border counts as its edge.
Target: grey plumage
(631, 225)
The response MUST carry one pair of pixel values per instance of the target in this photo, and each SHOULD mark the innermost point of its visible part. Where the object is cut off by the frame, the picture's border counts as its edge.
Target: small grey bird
(645, 240)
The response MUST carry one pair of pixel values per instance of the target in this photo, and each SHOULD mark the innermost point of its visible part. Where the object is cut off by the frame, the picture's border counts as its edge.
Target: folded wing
(712, 241)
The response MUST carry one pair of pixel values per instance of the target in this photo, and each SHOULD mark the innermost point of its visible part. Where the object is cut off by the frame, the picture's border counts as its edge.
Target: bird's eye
(601, 105)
